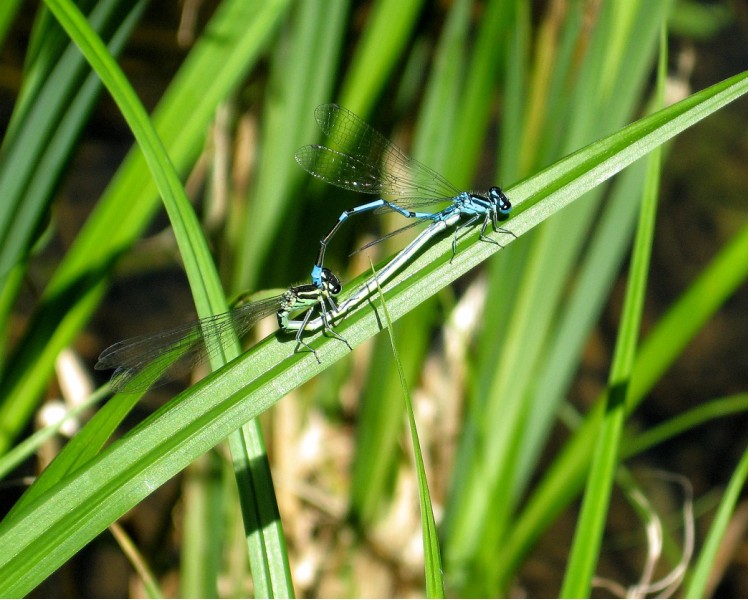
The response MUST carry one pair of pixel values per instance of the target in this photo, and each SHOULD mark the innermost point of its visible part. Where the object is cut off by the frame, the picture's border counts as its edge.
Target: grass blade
(590, 527)
(565, 477)
(699, 580)
(432, 561)
(204, 281)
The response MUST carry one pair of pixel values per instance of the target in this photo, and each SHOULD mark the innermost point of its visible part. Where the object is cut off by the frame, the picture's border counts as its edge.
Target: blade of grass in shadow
(8, 295)
(266, 543)
(686, 421)
(137, 560)
(432, 562)
(56, 525)
(8, 11)
(699, 579)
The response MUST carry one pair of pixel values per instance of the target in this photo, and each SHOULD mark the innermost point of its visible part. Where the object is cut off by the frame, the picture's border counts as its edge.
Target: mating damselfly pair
(357, 158)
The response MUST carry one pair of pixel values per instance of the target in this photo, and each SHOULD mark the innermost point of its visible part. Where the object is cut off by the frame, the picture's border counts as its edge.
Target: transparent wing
(387, 236)
(145, 361)
(358, 158)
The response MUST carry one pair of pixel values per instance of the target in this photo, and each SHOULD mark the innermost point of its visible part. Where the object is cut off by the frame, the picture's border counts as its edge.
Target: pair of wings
(360, 159)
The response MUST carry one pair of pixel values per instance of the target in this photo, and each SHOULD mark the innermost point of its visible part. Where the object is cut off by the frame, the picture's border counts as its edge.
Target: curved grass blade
(432, 560)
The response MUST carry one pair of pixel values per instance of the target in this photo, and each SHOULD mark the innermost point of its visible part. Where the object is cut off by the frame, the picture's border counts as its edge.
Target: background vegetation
(514, 369)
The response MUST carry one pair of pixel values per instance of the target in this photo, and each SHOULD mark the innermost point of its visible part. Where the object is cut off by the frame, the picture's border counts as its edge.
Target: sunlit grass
(487, 384)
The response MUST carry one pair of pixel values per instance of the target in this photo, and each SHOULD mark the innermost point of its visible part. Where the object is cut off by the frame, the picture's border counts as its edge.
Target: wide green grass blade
(204, 281)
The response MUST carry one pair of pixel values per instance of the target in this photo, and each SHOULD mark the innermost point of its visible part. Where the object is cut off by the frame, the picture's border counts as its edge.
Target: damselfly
(142, 362)
(361, 159)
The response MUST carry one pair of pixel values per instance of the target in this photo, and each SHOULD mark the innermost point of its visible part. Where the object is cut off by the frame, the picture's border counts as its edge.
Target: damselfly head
(502, 202)
(330, 282)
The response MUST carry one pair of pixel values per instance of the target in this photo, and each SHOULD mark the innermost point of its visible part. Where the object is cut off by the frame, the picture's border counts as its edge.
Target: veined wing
(144, 361)
(359, 158)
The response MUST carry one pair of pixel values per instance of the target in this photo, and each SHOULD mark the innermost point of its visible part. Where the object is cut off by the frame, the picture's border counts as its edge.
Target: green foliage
(563, 92)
